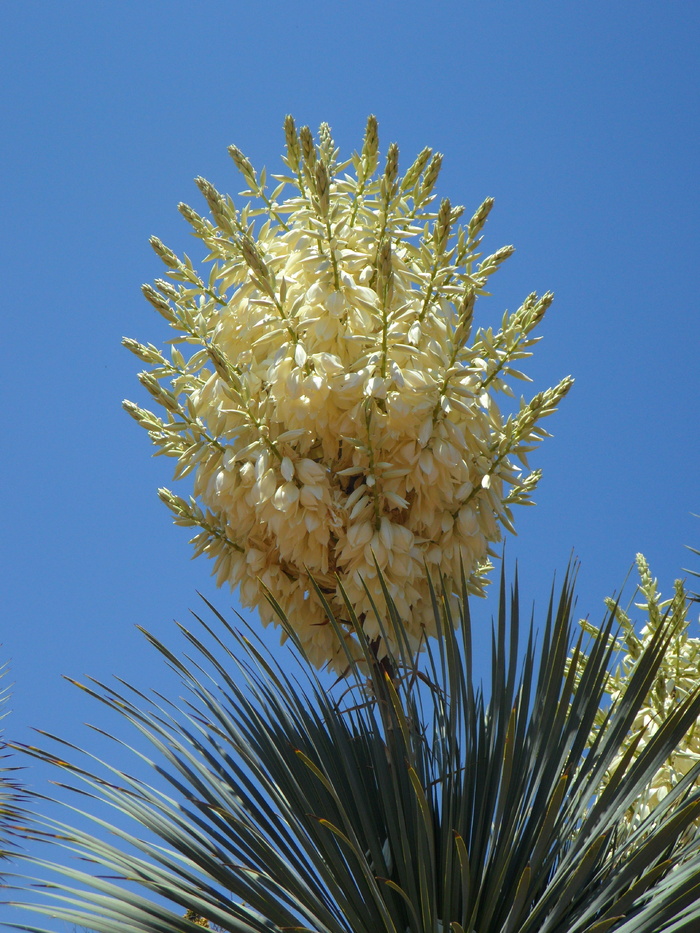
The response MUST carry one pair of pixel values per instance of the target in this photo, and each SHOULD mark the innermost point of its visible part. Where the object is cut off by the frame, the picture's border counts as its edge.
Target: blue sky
(581, 119)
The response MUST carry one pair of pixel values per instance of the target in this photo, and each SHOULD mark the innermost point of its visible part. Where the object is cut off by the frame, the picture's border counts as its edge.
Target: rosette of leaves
(328, 392)
(406, 800)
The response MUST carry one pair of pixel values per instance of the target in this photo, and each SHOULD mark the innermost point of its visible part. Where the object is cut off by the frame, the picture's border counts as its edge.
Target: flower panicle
(675, 681)
(327, 392)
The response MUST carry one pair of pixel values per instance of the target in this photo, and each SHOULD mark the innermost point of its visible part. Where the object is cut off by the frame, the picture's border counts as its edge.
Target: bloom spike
(337, 411)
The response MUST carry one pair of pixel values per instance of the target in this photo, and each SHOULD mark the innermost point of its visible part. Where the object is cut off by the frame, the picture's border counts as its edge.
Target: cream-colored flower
(676, 679)
(337, 412)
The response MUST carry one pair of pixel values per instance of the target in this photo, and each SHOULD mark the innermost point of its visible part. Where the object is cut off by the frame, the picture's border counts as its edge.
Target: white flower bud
(336, 304)
(285, 497)
(247, 474)
(426, 462)
(310, 472)
(287, 468)
(467, 522)
(376, 387)
(359, 535)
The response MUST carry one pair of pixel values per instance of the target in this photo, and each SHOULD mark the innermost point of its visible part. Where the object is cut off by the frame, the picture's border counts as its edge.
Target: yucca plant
(406, 798)
(353, 470)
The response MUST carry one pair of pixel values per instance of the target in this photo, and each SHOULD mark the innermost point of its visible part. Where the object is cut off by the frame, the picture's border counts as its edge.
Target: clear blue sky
(581, 119)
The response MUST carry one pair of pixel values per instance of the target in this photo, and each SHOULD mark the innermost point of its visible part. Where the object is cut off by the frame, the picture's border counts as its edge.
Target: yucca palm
(408, 798)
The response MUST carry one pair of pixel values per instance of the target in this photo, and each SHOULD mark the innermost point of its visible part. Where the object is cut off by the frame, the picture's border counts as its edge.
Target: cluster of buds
(337, 410)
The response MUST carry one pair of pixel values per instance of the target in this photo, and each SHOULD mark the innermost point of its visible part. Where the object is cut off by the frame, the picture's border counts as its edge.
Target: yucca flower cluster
(338, 412)
(675, 681)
